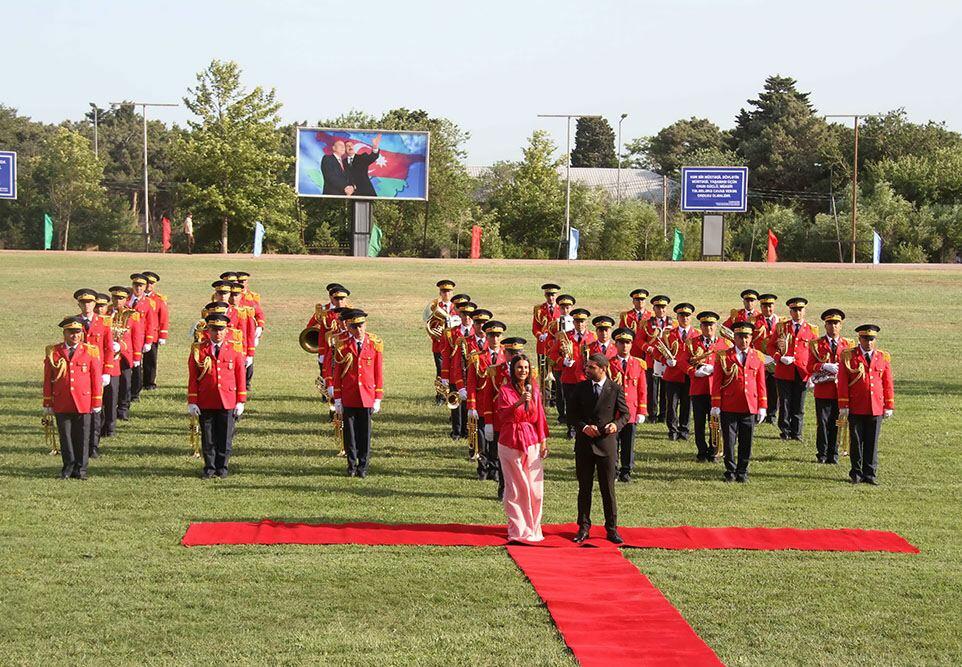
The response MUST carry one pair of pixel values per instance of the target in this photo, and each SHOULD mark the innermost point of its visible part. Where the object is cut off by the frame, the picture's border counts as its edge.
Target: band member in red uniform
(358, 388)
(700, 360)
(644, 346)
(72, 392)
(436, 317)
(482, 388)
(638, 313)
(216, 393)
(739, 398)
(866, 396)
(748, 312)
(451, 345)
(789, 347)
(570, 353)
(603, 344)
(676, 382)
(144, 305)
(823, 361)
(555, 330)
(163, 324)
(96, 333)
(126, 355)
(252, 299)
(544, 314)
(325, 318)
(765, 323)
(629, 373)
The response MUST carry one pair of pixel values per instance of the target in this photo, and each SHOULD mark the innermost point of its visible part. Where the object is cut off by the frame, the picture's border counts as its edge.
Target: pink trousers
(523, 491)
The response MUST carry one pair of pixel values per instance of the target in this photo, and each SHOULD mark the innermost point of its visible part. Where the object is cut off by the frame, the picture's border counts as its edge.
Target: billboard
(362, 164)
(716, 189)
(8, 175)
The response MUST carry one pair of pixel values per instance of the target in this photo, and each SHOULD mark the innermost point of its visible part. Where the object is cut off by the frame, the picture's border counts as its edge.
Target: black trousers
(136, 381)
(357, 438)
(249, 371)
(737, 429)
(437, 373)
(701, 408)
(626, 448)
(771, 386)
(74, 431)
(566, 391)
(656, 399)
(826, 437)
(123, 390)
(459, 419)
(791, 406)
(149, 364)
(108, 422)
(559, 396)
(586, 464)
(863, 433)
(677, 407)
(217, 439)
(93, 433)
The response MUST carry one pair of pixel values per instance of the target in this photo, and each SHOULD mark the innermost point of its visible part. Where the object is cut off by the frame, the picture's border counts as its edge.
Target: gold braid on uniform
(204, 367)
(730, 371)
(60, 366)
(856, 373)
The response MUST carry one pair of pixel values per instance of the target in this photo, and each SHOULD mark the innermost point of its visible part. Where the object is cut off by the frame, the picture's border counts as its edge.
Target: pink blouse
(521, 426)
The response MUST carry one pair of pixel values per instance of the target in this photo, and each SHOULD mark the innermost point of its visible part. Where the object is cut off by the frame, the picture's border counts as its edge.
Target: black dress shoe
(783, 436)
(613, 536)
(82, 476)
(351, 472)
(207, 475)
(672, 436)
(581, 536)
(95, 453)
(222, 474)
(854, 479)
(741, 479)
(728, 477)
(870, 480)
(362, 473)
(65, 475)
(820, 459)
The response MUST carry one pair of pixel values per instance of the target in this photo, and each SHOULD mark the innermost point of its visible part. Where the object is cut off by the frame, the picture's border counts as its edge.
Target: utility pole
(96, 139)
(855, 118)
(144, 106)
(620, 121)
(568, 116)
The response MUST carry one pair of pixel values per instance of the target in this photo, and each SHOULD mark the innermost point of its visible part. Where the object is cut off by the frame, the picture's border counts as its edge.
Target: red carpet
(607, 611)
(556, 535)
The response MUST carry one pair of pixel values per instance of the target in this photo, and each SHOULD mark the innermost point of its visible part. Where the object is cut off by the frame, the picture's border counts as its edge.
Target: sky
(491, 67)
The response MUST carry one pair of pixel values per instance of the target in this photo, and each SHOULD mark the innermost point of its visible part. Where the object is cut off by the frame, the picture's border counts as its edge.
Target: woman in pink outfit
(522, 447)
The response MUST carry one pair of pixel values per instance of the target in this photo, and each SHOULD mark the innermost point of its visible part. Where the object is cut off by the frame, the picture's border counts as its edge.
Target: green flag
(47, 231)
(374, 245)
(679, 248)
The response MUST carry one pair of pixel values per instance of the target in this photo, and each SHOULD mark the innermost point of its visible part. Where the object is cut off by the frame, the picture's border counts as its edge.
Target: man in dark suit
(358, 165)
(597, 412)
(337, 178)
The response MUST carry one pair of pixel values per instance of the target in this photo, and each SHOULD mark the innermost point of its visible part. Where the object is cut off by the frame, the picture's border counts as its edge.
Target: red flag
(475, 242)
(772, 247)
(165, 233)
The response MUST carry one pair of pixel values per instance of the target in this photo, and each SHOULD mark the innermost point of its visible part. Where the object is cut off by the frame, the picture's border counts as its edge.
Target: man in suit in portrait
(337, 178)
(598, 411)
(358, 165)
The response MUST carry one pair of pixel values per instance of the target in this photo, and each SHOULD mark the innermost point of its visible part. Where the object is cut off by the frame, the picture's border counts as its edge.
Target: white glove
(445, 383)
(702, 372)
(193, 410)
(330, 392)
(148, 347)
(887, 414)
(715, 412)
(473, 414)
(488, 432)
(257, 335)
(105, 379)
(830, 368)
(136, 364)
(569, 363)
(48, 411)
(96, 411)
(658, 369)
(238, 409)
(788, 361)
(762, 413)
(640, 419)
(162, 341)
(338, 406)
(463, 394)
(249, 361)
(843, 413)
(377, 405)
(671, 362)
(320, 358)
(543, 337)
(116, 346)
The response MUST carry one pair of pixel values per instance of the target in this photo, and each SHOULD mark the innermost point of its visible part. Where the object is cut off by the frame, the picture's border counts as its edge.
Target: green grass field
(93, 572)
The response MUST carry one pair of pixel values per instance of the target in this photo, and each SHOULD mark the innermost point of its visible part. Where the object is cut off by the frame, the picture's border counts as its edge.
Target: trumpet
(547, 379)
(714, 434)
(474, 449)
(659, 343)
(842, 435)
(452, 401)
(193, 436)
(321, 385)
(338, 432)
(49, 439)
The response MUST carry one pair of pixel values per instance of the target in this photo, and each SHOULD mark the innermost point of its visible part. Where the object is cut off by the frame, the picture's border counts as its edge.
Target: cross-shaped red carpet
(602, 605)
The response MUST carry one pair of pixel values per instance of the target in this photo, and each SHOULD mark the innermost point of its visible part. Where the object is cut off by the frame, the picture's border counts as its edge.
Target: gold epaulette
(885, 355)
(134, 316)
(734, 313)
(92, 350)
(162, 297)
(814, 328)
(239, 346)
(850, 342)
(107, 320)
(473, 356)
(47, 351)
(761, 357)
(153, 304)
(197, 345)
(377, 342)
(847, 353)
(537, 309)
(783, 320)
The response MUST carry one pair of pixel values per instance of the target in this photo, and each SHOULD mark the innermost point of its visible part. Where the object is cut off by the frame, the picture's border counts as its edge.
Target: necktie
(70, 351)
(797, 325)
(360, 343)
(684, 334)
(216, 351)
(604, 348)
(833, 344)
(494, 357)
(597, 390)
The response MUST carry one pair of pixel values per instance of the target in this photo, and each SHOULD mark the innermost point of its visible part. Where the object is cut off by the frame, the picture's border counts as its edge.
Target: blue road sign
(717, 189)
(8, 175)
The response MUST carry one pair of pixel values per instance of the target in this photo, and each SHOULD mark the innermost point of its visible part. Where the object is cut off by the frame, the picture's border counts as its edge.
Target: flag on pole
(374, 243)
(47, 231)
(258, 239)
(476, 242)
(165, 234)
(574, 238)
(678, 248)
(772, 248)
(876, 248)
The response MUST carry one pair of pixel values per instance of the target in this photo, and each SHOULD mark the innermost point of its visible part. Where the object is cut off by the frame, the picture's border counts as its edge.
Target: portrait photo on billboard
(362, 164)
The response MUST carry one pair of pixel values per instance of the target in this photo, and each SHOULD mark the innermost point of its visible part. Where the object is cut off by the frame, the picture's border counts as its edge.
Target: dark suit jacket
(610, 407)
(335, 178)
(360, 163)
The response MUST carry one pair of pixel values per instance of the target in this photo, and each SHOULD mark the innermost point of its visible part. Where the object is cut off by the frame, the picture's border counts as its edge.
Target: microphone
(527, 388)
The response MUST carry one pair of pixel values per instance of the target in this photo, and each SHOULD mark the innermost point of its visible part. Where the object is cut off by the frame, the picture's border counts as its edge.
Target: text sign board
(716, 189)
(8, 175)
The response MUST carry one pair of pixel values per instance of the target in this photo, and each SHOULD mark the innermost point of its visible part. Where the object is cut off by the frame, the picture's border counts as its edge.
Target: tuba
(310, 339)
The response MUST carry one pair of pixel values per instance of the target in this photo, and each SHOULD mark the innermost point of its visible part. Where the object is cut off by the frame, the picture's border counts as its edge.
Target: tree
(594, 144)
(666, 152)
(231, 162)
(70, 175)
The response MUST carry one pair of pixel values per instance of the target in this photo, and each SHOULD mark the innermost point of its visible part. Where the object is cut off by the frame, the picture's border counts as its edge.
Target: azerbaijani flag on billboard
(362, 164)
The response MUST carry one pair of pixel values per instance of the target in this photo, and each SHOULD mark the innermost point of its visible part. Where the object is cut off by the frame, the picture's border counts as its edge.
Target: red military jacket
(543, 316)
(114, 357)
(358, 376)
(865, 388)
(163, 313)
(450, 347)
(698, 352)
(148, 317)
(323, 317)
(134, 338)
(630, 318)
(98, 334)
(437, 344)
(632, 381)
(610, 351)
(820, 352)
(242, 320)
(460, 361)
(483, 382)
(741, 315)
(216, 383)
(763, 331)
(643, 346)
(252, 300)
(797, 346)
(736, 387)
(677, 345)
(72, 385)
(579, 352)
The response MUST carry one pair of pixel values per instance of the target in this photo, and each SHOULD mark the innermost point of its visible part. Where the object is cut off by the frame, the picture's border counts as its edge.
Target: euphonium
(435, 320)
(310, 339)
(119, 323)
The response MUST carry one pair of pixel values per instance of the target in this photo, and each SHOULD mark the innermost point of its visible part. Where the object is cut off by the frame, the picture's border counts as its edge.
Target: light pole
(620, 121)
(96, 142)
(144, 106)
(856, 118)
(568, 116)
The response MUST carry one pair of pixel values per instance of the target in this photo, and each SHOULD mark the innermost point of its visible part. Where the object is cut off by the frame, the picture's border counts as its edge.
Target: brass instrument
(659, 343)
(338, 423)
(310, 339)
(452, 401)
(784, 338)
(714, 434)
(474, 446)
(842, 436)
(193, 435)
(435, 320)
(50, 440)
(726, 333)
(119, 323)
(547, 382)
